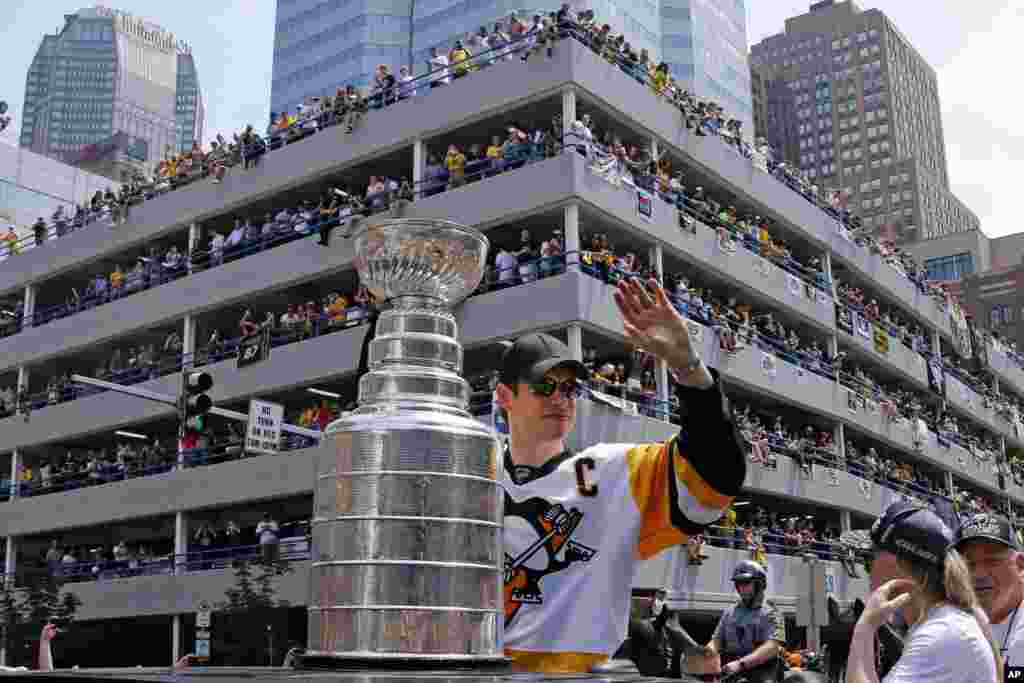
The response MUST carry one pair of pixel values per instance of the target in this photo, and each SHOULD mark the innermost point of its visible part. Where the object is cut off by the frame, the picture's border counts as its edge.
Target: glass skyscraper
(107, 73)
(322, 44)
(704, 42)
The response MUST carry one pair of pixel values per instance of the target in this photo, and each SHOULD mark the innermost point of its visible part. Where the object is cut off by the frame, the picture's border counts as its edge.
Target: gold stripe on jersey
(648, 481)
(554, 662)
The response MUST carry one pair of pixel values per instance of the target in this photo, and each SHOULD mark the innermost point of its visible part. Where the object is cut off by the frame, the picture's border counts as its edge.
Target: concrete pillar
(572, 235)
(176, 633)
(180, 542)
(188, 341)
(833, 346)
(826, 262)
(195, 235)
(23, 378)
(419, 163)
(568, 108)
(575, 338)
(11, 560)
(15, 466)
(10, 565)
(29, 308)
(656, 255)
(845, 521)
(839, 438)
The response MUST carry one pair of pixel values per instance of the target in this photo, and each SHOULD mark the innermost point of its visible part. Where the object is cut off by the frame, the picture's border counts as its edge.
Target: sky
(968, 43)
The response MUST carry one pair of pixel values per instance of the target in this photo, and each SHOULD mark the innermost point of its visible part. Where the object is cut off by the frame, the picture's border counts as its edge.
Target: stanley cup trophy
(407, 530)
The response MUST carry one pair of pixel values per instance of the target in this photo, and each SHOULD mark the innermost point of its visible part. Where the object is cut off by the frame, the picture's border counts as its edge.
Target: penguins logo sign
(553, 527)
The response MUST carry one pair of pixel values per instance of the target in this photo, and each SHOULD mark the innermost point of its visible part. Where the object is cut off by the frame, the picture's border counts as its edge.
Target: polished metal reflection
(407, 554)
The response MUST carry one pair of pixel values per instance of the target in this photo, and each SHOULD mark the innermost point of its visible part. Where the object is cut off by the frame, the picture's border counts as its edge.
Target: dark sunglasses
(547, 388)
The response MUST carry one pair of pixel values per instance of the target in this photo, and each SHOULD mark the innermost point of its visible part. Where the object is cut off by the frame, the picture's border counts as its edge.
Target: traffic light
(194, 403)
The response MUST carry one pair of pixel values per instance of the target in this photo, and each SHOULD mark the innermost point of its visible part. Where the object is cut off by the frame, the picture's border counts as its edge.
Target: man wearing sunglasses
(576, 523)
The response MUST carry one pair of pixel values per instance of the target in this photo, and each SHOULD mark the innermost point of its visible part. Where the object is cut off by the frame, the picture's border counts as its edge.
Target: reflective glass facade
(704, 43)
(102, 74)
(321, 44)
(32, 186)
(189, 112)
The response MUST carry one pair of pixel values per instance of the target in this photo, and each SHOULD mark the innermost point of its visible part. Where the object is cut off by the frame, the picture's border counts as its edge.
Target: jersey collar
(524, 474)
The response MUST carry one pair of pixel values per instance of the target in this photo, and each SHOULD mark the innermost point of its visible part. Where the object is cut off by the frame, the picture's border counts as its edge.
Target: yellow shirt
(115, 279)
(459, 59)
(495, 152)
(456, 164)
(659, 81)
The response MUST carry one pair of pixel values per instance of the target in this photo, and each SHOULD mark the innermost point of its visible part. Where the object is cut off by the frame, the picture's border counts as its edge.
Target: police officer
(992, 551)
(750, 635)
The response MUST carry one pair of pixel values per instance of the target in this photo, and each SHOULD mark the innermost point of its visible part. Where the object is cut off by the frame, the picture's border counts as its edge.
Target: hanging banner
(881, 340)
(687, 223)
(937, 378)
(794, 285)
(844, 320)
(726, 244)
(854, 401)
(861, 324)
(644, 205)
(831, 476)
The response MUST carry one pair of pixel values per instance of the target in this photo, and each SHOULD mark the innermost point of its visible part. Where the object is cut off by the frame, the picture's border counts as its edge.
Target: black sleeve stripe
(679, 520)
(710, 438)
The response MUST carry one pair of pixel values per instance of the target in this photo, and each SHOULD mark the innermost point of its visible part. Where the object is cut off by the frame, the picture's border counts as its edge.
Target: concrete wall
(507, 86)
(575, 297)
(701, 588)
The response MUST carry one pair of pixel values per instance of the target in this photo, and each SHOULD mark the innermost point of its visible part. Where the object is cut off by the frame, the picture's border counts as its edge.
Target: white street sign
(263, 434)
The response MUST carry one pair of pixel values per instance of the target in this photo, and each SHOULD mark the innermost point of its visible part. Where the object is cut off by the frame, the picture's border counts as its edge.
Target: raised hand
(653, 324)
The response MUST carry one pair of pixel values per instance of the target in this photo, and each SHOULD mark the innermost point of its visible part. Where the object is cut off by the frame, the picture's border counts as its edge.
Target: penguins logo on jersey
(551, 551)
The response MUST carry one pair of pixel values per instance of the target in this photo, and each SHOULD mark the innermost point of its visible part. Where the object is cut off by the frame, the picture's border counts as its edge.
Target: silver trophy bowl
(407, 543)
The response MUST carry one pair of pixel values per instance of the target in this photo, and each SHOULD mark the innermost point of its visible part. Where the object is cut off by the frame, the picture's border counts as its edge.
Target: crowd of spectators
(514, 37)
(211, 545)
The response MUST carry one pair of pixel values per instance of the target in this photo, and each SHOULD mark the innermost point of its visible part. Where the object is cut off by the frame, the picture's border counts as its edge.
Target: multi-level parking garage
(122, 489)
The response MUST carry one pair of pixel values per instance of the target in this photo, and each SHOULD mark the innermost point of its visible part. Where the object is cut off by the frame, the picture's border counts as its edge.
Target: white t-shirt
(1011, 645)
(947, 647)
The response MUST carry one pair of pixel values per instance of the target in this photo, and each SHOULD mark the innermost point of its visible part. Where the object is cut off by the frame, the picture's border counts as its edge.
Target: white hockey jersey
(574, 531)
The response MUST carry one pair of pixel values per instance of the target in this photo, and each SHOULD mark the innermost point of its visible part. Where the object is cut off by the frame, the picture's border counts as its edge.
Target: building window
(954, 267)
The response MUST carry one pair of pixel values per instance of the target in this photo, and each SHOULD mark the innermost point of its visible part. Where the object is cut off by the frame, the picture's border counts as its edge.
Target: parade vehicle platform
(355, 675)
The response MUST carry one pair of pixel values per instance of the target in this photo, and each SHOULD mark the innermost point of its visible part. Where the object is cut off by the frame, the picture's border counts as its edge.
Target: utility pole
(175, 401)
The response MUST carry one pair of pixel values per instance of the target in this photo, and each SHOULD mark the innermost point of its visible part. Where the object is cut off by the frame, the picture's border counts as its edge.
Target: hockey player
(577, 523)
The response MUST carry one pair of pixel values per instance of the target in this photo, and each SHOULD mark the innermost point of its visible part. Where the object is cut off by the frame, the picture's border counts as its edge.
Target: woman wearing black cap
(914, 568)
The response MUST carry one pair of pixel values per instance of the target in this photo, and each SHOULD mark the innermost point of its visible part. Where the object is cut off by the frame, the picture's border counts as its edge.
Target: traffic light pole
(167, 399)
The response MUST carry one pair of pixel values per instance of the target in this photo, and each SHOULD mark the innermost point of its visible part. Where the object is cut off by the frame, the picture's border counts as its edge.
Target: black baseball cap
(534, 355)
(986, 527)
(907, 528)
